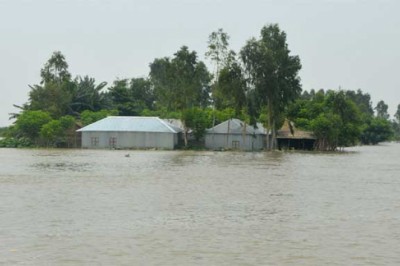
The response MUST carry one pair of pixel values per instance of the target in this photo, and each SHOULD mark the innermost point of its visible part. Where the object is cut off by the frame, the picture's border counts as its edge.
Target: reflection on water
(99, 207)
(63, 166)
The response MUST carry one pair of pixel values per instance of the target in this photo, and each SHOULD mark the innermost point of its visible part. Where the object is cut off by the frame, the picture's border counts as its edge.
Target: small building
(130, 132)
(289, 137)
(235, 134)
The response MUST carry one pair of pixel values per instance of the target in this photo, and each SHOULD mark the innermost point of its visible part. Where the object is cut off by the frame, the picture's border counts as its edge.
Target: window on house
(94, 141)
(235, 144)
(113, 142)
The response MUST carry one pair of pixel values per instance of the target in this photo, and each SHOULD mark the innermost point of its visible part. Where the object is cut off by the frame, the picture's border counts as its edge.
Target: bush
(15, 143)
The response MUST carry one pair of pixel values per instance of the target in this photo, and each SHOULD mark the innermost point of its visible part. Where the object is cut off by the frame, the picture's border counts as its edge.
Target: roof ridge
(167, 125)
(136, 116)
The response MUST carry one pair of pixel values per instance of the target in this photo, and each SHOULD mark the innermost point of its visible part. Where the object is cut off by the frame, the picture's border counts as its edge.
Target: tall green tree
(122, 97)
(382, 110)
(181, 83)
(131, 97)
(56, 132)
(362, 100)
(29, 124)
(333, 117)
(54, 94)
(349, 116)
(55, 69)
(218, 49)
(273, 73)
(376, 130)
(397, 114)
(87, 95)
(230, 91)
(51, 98)
(228, 81)
(142, 94)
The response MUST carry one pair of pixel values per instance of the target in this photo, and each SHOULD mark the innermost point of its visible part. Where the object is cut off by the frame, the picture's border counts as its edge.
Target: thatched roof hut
(289, 137)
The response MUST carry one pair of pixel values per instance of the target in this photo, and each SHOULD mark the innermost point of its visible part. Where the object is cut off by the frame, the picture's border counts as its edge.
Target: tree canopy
(260, 83)
(273, 73)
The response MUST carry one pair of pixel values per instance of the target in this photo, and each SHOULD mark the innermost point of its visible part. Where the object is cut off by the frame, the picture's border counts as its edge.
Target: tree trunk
(269, 146)
(227, 135)
(273, 144)
(185, 130)
(244, 135)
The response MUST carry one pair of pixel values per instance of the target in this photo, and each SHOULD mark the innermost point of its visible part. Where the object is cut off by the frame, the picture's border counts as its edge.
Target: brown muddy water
(99, 207)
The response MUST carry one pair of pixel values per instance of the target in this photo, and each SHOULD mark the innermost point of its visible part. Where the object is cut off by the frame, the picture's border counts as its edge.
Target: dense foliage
(258, 84)
(339, 118)
(273, 73)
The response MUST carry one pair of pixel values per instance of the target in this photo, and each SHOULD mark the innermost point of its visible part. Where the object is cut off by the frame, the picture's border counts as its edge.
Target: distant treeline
(260, 83)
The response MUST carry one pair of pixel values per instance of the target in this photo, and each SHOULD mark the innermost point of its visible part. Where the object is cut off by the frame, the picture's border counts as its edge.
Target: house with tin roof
(130, 132)
(234, 134)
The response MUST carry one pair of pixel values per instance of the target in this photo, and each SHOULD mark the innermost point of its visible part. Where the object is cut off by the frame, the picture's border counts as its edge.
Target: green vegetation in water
(259, 83)
(15, 143)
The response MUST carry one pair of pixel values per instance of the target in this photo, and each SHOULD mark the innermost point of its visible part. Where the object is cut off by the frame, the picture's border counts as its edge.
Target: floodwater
(100, 207)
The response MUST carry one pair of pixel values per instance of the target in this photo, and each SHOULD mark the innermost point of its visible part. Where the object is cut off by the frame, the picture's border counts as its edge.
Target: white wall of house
(215, 141)
(129, 140)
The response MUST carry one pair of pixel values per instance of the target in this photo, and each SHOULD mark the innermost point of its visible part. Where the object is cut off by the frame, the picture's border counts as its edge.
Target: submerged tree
(29, 124)
(332, 116)
(376, 130)
(273, 73)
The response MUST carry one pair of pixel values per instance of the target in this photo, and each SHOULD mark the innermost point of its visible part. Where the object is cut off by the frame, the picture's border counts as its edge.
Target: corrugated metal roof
(177, 123)
(132, 124)
(235, 126)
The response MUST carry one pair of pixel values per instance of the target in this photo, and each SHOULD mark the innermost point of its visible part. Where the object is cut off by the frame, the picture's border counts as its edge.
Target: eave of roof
(235, 126)
(130, 124)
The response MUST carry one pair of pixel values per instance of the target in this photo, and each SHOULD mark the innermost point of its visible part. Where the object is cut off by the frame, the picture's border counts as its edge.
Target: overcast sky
(341, 43)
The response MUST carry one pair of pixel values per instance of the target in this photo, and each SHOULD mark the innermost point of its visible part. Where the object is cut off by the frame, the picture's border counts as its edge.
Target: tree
(180, 83)
(349, 116)
(50, 98)
(376, 130)
(273, 73)
(362, 100)
(56, 132)
(51, 131)
(326, 127)
(54, 94)
(382, 110)
(86, 95)
(396, 124)
(55, 70)
(193, 80)
(122, 97)
(29, 123)
(218, 52)
(142, 94)
(131, 97)
(333, 117)
(196, 119)
(231, 89)
(397, 114)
